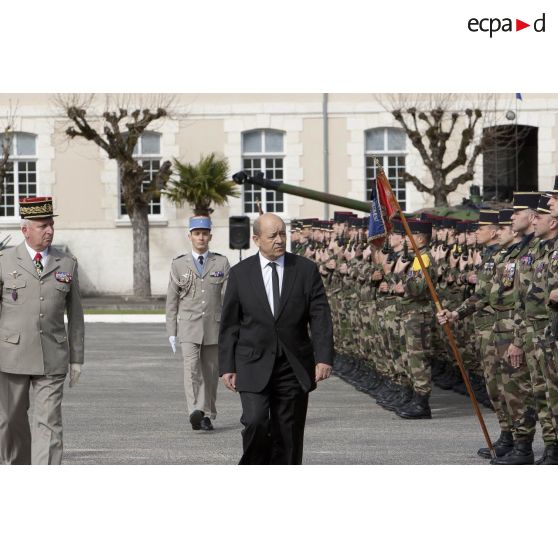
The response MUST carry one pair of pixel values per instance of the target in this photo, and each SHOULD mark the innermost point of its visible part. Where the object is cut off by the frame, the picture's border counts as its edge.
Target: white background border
(263, 46)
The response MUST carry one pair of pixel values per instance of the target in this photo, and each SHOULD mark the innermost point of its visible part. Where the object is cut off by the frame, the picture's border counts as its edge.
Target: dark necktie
(200, 259)
(275, 285)
(38, 262)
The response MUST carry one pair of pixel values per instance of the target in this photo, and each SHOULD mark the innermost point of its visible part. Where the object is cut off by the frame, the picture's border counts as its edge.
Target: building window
(509, 161)
(148, 152)
(388, 146)
(21, 175)
(262, 150)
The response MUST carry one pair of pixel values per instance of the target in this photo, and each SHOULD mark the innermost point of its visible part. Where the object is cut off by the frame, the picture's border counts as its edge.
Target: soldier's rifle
(387, 249)
(445, 241)
(5, 241)
(405, 256)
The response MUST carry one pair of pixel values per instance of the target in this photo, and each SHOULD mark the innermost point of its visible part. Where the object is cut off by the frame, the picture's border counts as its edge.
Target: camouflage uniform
(518, 403)
(485, 317)
(367, 307)
(418, 315)
(395, 334)
(518, 390)
(530, 321)
(549, 342)
(387, 339)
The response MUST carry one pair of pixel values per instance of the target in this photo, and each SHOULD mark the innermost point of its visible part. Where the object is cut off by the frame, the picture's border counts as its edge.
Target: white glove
(75, 372)
(172, 341)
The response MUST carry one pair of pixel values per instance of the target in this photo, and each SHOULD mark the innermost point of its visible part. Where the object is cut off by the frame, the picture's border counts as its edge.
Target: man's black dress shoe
(196, 419)
(206, 424)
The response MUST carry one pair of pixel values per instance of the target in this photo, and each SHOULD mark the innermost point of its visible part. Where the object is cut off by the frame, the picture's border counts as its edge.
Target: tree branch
(420, 186)
(414, 136)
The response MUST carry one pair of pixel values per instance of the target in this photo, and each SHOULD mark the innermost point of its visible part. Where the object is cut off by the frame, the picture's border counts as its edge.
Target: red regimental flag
(385, 197)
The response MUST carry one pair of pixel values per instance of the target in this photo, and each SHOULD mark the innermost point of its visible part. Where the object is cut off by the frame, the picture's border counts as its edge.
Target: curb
(125, 318)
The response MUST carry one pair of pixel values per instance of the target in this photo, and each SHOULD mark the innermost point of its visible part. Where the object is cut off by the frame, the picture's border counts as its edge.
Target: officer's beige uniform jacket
(33, 338)
(194, 302)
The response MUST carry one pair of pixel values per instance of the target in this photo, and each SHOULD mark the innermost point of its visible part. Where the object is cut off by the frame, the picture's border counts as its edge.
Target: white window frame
(123, 218)
(262, 156)
(16, 159)
(383, 156)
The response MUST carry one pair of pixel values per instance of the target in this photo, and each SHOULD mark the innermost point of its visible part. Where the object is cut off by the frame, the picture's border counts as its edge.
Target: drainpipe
(326, 151)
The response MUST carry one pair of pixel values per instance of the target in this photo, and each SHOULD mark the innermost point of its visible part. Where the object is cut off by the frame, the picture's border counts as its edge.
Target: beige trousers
(201, 377)
(40, 443)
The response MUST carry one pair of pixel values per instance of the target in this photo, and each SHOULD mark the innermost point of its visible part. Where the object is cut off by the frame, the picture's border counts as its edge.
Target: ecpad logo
(492, 25)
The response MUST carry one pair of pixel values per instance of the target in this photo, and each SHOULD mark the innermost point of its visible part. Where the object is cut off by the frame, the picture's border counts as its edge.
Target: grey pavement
(123, 303)
(129, 408)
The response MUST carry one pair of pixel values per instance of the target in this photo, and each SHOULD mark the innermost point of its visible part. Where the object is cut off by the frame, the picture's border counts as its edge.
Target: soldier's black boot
(405, 395)
(502, 446)
(521, 454)
(550, 456)
(447, 379)
(417, 408)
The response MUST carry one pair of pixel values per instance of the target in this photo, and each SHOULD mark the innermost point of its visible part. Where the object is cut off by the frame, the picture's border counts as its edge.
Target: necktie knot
(38, 257)
(200, 259)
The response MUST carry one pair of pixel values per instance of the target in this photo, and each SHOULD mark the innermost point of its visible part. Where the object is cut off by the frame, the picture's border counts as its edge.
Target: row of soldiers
(497, 280)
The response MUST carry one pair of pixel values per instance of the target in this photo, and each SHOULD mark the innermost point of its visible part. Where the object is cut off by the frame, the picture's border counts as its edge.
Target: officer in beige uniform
(194, 298)
(39, 284)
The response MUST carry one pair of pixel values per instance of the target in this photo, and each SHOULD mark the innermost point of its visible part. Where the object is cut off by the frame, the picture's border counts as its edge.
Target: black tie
(275, 285)
(200, 259)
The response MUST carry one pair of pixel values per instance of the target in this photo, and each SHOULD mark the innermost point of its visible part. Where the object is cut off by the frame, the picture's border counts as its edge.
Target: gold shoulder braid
(184, 283)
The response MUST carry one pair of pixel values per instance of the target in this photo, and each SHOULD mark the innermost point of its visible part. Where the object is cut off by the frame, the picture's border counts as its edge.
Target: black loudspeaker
(239, 233)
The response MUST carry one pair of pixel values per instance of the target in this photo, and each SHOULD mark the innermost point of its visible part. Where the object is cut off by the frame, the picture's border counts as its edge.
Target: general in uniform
(195, 293)
(39, 285)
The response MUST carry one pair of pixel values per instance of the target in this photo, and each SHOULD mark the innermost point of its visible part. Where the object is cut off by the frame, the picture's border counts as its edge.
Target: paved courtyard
(129, 408)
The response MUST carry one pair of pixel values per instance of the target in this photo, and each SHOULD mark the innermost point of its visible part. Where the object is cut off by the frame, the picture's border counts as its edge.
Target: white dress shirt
(267, 276)
(32, 253)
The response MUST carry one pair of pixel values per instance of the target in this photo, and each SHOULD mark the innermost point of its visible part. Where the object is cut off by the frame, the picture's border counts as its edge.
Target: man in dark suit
(265, 351)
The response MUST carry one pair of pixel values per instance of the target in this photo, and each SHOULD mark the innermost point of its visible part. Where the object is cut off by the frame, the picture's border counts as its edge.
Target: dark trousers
(274, 420)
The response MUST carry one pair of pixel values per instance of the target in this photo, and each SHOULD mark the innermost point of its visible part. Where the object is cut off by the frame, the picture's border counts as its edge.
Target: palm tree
(201, 185)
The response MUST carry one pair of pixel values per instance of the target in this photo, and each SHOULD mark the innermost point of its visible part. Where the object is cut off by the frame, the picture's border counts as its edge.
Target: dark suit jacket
(249, 333)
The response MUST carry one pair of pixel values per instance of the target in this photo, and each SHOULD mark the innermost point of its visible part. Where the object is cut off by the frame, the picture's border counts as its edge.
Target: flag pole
(380, 175)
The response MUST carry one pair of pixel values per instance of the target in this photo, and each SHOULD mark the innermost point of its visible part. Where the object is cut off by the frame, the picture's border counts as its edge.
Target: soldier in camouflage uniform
(417, 314)
(516, 381)
(442, 362)
(461, 268)
(397, 389)
(445, 257)
(529, 316)
(485, 317)
(549, 344)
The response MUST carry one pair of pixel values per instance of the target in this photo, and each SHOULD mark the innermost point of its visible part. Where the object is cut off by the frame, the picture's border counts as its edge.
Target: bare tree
(117, 131)
(6, 139)
(434, 123)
